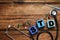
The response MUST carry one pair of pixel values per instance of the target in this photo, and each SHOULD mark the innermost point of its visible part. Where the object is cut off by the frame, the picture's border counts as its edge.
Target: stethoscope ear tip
(53, 12)
(9, 26)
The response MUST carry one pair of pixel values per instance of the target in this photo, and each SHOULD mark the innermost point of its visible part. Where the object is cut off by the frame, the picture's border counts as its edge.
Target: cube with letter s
(33, 30)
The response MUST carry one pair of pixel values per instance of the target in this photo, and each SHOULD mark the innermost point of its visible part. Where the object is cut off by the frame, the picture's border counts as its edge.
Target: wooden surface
(12, 14)
(30, 0)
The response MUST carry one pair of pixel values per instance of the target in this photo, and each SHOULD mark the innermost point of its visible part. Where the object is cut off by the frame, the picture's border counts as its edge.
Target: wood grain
(30, 0)
(12, 14)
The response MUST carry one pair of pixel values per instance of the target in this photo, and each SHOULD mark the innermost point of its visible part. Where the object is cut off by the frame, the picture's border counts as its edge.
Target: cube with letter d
(50, 23)
(40, 23)
(33, 30)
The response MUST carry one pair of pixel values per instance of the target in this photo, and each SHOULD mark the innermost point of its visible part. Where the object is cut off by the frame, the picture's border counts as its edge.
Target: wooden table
(12, 14)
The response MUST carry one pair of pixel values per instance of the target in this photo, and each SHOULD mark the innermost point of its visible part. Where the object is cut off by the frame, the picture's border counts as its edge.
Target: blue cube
(50, 23)
(33, 30)
(40, 23)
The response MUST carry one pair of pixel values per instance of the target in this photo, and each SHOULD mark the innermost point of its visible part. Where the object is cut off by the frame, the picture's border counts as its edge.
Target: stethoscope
(9, 27)
(54, 14)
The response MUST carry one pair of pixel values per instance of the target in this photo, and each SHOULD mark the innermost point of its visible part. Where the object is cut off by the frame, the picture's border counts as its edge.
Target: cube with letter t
(40, 23)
